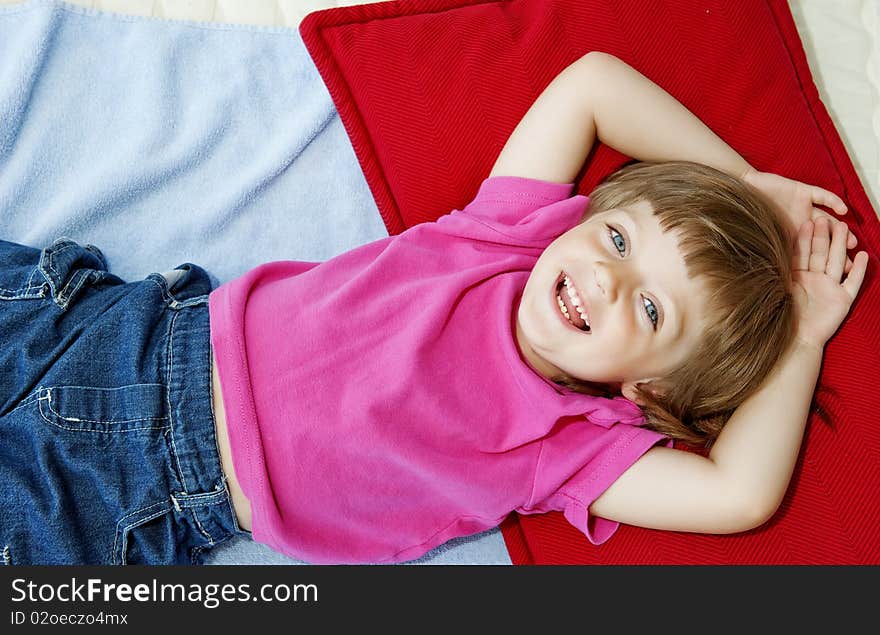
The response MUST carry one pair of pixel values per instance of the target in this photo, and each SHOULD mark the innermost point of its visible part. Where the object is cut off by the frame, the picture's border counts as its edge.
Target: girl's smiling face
(610, 301)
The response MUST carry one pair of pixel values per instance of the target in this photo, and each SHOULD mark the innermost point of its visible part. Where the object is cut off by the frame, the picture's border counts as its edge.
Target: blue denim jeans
(108, 453)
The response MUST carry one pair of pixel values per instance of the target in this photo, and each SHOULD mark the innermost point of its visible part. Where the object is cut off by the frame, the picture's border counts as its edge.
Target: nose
(611, 280)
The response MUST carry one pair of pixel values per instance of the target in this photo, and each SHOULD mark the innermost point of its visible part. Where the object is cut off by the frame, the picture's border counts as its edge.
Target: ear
(628, 389)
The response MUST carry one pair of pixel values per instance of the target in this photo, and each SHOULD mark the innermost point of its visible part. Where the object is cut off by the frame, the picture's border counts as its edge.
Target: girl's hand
(821, 299)
(797, 202)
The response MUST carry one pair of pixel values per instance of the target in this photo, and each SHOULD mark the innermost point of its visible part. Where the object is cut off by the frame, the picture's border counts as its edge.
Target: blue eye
(620, 246)
(652, 312)
(617, 239)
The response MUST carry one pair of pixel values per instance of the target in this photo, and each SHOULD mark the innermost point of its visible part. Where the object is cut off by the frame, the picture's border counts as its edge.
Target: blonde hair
(730, 238)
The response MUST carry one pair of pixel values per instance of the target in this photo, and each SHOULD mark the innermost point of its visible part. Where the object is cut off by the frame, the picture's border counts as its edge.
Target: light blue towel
(163, 142)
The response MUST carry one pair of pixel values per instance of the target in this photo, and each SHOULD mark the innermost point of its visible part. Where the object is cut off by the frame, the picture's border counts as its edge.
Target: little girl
(534, 351)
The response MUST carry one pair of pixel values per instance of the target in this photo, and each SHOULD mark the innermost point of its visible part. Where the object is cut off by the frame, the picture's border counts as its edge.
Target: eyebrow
(671, 313)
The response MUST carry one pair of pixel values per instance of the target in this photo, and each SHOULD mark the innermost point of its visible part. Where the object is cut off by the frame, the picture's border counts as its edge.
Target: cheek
(624, 329)
(544, 269)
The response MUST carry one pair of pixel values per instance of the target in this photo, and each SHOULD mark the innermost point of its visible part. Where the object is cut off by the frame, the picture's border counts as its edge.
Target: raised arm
(599, 96)
(742, 482)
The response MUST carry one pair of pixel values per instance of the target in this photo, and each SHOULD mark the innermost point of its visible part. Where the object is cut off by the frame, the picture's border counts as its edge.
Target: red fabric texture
(430, 90)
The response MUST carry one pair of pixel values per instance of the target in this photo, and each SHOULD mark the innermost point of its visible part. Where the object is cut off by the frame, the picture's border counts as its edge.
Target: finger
(802, 246)
(819, 246)
(837, 252)
(828, 199)
(848, 266)
(854, 280)
(851, 240)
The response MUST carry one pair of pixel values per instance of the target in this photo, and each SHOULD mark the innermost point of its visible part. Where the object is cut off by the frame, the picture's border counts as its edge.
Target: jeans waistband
(188, 376)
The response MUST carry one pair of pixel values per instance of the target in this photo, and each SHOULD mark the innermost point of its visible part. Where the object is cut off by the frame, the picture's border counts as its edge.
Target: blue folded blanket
(163, 142)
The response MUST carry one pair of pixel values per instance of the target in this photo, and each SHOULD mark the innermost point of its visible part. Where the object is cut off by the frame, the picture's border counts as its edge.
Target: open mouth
(570, 303)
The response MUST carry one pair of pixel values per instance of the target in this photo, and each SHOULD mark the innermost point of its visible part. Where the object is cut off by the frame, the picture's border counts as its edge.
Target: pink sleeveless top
(378, 405)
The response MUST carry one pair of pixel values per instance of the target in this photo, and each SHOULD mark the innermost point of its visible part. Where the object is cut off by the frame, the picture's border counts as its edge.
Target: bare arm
(599, 96)
(742, 482)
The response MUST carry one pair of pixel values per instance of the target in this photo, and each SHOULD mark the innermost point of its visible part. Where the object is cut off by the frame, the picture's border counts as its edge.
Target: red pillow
(430, 90)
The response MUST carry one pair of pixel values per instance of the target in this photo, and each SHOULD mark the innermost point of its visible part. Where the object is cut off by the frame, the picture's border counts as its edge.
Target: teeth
(575, 299)
(562, 306)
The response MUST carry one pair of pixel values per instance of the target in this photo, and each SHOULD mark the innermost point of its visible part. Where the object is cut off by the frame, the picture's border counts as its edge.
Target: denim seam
(65, 296)
(170, 376)
(14, 294)
(163, 288)
(207, 534)
(198, 500)
(6, 294)
(196, 552)
(127, 528)
(151, 383)
(159, 280)
(7, 559)
(48, 398)
(34, 396)
(50, 255)
(30, 280)
(29, 290)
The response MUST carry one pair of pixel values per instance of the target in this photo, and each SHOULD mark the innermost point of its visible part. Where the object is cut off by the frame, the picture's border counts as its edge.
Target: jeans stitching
(159, 280)
(170, 376)
(50, 253)
(199, 500)
(34, 396)
(7, 559)
(194, 555)
(7, 294)
(29, 290)
(128, 528)
(30, 280)
(195, 514)
(185, 304)
(47, 398)
(64, 297)
(78, 420)
(152, 383)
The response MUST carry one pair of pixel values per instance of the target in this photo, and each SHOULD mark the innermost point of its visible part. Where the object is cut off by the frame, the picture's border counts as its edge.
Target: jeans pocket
(109, 410)
(122, 430)
(74, 462)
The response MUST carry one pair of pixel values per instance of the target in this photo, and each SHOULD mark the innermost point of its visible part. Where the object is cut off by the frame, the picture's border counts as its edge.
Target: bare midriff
(239, 502)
